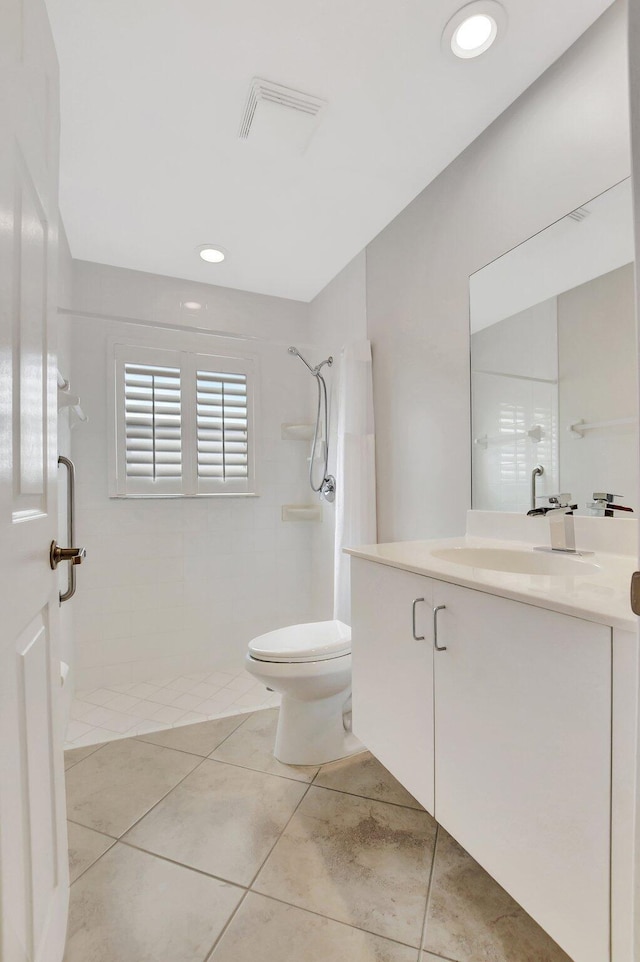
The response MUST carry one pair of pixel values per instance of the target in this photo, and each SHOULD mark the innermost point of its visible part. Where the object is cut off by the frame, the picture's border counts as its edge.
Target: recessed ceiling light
(192, 305)
(211, 254)
(474, 28)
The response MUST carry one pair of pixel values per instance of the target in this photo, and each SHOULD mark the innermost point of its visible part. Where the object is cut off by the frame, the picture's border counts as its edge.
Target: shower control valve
(328, 488)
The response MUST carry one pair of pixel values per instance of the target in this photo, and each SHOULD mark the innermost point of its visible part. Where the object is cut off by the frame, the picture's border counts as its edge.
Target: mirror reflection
(553, 365)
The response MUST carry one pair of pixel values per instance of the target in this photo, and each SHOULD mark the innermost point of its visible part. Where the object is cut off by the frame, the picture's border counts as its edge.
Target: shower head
(314, 370)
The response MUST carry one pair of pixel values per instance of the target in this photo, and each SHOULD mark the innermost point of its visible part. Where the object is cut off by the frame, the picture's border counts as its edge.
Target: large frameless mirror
(553, 364)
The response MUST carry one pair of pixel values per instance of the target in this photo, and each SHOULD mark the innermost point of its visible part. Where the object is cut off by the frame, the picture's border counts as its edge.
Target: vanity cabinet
(393, 672)
(505, 736)
(523, 757)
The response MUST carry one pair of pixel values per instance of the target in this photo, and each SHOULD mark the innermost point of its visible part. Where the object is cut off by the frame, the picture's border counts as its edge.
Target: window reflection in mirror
(553, 363)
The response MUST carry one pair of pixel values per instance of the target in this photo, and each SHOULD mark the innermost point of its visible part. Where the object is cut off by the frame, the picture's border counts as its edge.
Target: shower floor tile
(105, 714)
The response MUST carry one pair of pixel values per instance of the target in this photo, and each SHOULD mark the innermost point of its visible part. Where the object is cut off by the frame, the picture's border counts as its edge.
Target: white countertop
(601, 596)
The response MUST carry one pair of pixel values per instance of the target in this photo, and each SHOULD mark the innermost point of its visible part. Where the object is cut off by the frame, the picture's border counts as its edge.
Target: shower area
(174, 586)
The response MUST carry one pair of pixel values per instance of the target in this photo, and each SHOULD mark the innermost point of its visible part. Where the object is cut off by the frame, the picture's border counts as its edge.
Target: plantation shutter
(153, 422)
(222, 429)
(183, 425)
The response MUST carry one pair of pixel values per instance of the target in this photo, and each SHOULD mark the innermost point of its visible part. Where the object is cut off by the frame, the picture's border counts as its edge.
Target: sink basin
(518, 561)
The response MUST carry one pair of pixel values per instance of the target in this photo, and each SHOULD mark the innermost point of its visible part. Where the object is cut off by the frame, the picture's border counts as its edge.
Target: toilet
(310, 665)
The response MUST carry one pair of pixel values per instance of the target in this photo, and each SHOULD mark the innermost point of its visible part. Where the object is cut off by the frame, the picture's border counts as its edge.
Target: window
(184, 423)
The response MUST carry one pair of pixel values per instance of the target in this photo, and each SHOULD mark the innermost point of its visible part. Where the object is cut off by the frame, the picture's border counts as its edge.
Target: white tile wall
(178, 586)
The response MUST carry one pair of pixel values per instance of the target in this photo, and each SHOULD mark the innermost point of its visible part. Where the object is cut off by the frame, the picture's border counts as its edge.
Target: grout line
(369, 798)
(114, 841)
(163, 726)
(331, 918)
(96, 748)
(92, 829)
(260, 771)
(144, 737)
(217, 941)
(262, 864)
(285, 827)
(429, 887)
(174, 861)
(173, 787)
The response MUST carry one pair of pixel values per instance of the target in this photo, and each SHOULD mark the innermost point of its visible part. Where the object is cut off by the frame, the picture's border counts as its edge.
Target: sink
(518, 561)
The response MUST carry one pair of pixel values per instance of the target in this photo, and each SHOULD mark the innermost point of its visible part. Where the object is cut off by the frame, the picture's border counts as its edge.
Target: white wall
(564, 141)
(338, 315)
(183, 584)
(598, 381)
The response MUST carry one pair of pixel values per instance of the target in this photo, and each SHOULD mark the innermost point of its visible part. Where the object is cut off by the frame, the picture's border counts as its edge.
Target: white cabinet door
(393, 673)
(33, 858)
(523, 757)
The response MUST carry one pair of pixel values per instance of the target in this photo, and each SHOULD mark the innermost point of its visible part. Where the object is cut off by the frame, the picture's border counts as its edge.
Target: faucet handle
(605, 496)
(562, 501)
(603, 504)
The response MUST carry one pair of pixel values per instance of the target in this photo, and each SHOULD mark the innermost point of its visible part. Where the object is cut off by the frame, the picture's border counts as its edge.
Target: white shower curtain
(355, 467)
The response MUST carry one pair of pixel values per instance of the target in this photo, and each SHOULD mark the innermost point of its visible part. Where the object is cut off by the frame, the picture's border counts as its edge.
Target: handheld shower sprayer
(327, 487)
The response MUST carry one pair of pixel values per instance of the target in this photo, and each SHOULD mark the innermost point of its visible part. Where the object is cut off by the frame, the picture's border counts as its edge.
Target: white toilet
(311, 666)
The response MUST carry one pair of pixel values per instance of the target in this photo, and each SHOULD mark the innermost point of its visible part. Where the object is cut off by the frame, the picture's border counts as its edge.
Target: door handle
(635, 592)
(435, 628)
(413, 619)
(58, 554)
(74, 555)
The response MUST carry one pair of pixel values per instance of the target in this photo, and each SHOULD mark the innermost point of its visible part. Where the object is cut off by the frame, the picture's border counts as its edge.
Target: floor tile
(113, 788)
(272, 932)
(85, 847)
(133, 907)
(251, 746)
(101, 696)
(217, 703)
(115, 721)
(359, 861)
(77, 729)
(74, 755)
(221, 819)
(363, 774)
(472, 919)
(200, 739)
(167, 714)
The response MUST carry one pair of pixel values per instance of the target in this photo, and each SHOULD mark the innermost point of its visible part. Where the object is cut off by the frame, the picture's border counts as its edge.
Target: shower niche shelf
(302, 512)
(297, 432)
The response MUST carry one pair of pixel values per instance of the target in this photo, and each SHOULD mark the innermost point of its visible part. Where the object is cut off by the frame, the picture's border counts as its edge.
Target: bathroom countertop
(601, 596)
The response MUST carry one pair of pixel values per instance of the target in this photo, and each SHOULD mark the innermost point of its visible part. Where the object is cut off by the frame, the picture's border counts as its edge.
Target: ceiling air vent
(578, 215)
(279, 119)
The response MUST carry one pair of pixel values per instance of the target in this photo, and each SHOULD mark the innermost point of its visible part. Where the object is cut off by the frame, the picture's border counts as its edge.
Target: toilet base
(312, 732)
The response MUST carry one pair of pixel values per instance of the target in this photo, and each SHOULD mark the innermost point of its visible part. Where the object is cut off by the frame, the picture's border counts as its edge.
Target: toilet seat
(316, 641)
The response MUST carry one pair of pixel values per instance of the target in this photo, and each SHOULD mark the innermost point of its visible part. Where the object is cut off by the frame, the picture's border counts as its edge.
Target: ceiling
(568, 253)
(153, 93)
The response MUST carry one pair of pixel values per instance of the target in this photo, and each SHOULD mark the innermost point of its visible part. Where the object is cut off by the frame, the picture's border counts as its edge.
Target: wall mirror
(554, 363)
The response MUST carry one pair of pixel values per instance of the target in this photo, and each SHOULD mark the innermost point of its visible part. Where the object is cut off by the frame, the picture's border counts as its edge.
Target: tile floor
(194, 844)
(104, 714)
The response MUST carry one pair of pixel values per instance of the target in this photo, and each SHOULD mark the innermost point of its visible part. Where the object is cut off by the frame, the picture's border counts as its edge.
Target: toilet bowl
(310, 665)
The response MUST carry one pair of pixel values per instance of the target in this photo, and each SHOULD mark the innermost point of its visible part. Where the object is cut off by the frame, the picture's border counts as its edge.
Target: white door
(634, 89)
(393, 672)
(33, 870)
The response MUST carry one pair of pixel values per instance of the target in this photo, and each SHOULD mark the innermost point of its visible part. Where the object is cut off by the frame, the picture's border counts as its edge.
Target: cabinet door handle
(435, 628)
(413, 619)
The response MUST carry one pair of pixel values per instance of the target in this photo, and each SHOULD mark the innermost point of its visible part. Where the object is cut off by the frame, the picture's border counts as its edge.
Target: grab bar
(73, 555)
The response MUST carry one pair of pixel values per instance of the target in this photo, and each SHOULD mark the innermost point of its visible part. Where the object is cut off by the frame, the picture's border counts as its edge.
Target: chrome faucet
(562, 529)
(602, 505)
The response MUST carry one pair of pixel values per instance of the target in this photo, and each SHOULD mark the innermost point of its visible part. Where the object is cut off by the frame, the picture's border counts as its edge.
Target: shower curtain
(355, 467)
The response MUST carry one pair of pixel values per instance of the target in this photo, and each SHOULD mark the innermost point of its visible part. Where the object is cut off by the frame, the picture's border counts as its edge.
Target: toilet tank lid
(315, 641)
